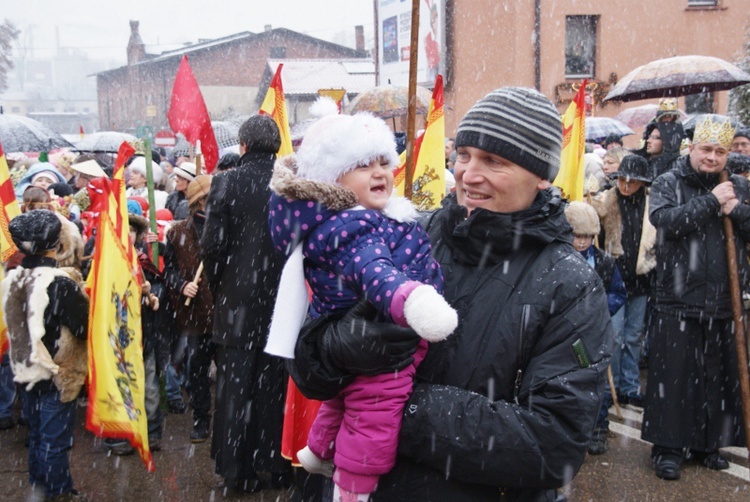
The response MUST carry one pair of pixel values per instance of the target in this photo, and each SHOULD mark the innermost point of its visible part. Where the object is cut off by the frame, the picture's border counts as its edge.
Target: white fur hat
(336, 144)
(138, 165)
(583, 218)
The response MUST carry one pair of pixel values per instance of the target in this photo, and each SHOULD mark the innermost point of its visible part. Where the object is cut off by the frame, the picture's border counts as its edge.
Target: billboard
(394, 51)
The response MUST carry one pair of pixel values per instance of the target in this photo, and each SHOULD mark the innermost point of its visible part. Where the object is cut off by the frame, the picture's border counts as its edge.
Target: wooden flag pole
(411, 117)
(151, 200)
(196, 280)
(739, 324)
(198, 157)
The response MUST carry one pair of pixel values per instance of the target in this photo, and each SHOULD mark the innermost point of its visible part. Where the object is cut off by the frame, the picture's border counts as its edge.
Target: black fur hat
(36, 231)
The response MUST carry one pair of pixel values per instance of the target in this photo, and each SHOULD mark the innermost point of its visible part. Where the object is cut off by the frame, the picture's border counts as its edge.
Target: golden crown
(714, 129)
(668, 105)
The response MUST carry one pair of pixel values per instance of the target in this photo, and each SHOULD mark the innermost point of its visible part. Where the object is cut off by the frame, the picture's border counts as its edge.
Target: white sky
(101, 28)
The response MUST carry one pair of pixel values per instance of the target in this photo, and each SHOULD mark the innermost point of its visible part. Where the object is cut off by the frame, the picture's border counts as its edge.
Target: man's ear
(543, 184)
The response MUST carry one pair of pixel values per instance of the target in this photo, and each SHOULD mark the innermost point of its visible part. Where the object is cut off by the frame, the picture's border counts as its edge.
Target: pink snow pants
(359, 428)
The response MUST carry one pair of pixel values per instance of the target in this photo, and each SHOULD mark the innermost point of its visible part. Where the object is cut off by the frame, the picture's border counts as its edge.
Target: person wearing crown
(692, 403)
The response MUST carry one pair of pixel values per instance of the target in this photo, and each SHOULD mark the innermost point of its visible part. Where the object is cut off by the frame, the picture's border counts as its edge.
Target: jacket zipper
(519, 371)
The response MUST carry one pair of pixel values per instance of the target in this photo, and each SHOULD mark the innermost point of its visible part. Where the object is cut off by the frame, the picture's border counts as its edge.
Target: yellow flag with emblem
(571, 175)
(428, 180)
(116, 372)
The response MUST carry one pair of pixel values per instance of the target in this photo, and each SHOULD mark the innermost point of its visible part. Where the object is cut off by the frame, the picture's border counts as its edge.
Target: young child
(40, 303)
(585, 222)
(336, 212)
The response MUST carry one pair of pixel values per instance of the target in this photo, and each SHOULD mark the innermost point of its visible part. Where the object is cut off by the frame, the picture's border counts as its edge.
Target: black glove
(359, 345)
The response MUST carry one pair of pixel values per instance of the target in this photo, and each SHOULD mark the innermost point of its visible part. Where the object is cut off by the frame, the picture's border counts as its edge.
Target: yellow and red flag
(571, 175)
(115, 349)
(80, 131)
(428, 180)
(10, 209)
(274, 105)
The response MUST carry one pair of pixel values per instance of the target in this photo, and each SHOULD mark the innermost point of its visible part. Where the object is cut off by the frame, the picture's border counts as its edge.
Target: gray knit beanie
(518, 124)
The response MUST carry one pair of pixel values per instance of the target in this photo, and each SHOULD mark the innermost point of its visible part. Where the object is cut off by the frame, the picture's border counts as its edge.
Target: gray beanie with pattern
(518, 124)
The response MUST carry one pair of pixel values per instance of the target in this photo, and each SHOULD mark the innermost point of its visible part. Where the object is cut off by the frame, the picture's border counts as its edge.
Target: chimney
(359, 37)
(136, 47)
(267, 27)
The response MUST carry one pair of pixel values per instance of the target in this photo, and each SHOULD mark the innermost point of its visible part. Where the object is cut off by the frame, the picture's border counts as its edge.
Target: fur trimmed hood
(286, 183)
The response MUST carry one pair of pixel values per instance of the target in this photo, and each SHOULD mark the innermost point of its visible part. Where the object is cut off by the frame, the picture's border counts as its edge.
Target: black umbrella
(22, 134)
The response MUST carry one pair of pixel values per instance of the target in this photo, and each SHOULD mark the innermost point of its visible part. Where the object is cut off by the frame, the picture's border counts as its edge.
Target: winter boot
(200, 430)
(313, 464)
(599, 441)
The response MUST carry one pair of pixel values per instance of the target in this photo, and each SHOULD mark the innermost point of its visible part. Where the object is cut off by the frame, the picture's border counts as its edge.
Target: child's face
(582, 242)
(372, 184)
(42, 182)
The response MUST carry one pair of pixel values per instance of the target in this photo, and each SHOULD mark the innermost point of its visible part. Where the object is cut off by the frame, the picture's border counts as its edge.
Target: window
(278, 52)
(580, 46)
(702, 3)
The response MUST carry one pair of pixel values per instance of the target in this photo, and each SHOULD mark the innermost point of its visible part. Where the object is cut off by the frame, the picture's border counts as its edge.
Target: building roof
(245, 35)
(306, 76)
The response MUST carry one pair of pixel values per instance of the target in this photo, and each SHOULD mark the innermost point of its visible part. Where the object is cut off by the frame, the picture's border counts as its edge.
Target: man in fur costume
(40, 301)
(629, 237)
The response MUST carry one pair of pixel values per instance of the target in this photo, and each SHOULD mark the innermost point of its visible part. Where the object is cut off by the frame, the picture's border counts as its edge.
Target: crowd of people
(460, 354)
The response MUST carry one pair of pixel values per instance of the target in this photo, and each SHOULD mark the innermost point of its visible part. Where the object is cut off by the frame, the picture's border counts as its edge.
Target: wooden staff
(198, 157)
(739, 325)
(197, 280)
(411, 116)
(614, 392)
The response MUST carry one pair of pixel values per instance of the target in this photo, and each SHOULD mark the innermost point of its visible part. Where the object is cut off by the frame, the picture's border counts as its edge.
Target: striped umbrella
(598, 128)
(678, 76)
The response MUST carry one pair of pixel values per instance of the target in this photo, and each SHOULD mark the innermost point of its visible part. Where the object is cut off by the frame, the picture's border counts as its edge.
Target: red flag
(80, 131)
(188, 114)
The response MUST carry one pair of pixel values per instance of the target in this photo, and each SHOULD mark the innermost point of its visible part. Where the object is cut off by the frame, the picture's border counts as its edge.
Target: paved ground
(184, 472)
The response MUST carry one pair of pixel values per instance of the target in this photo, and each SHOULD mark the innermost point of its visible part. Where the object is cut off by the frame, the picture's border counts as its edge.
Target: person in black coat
(693, 397)
(503, 409)
(243, 272)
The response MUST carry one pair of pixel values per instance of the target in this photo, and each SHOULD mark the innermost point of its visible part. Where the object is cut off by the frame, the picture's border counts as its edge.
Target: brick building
(229, 70)
(554, 44)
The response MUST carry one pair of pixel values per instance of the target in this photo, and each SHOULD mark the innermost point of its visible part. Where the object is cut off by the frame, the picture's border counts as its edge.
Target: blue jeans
(7, 388)
(628, 327)
(51, 425)
(174, 381)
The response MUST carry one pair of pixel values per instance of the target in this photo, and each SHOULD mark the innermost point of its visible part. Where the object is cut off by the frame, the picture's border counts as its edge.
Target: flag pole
(151, 199)
(198, 157)
(739, 322)
(411, 117)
